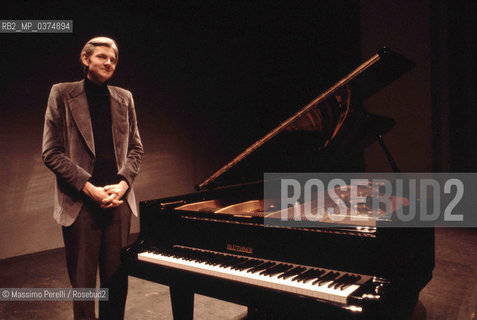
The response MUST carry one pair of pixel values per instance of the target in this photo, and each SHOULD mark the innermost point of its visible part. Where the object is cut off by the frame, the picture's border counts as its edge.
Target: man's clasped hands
(108, 196)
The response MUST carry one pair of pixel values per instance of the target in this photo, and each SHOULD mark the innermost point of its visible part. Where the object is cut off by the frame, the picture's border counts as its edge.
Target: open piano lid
(328, 112)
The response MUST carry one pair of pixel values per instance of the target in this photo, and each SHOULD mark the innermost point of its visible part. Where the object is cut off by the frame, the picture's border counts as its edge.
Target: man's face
(101, 64)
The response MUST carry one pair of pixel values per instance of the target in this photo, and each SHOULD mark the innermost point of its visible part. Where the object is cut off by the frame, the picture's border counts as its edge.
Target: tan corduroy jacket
(68, 145)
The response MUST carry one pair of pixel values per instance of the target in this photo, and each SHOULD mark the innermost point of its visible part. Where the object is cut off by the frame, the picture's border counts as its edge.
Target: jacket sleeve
(135, 151)
(55, 143)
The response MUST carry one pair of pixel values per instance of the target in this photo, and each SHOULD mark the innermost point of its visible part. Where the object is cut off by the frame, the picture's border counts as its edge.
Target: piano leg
(182, 300)
(403, 307)
(258, 313)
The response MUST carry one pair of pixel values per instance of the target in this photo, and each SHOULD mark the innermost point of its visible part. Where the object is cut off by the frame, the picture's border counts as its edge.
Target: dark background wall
(405, 27)
(208, 78)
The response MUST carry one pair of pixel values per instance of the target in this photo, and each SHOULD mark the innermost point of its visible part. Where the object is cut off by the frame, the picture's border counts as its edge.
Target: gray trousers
(96, 239)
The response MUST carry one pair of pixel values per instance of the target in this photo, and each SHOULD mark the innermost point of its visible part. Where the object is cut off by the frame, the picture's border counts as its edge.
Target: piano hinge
(172, 203)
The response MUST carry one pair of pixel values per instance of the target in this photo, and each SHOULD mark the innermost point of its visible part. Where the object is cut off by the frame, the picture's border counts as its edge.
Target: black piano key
(257, 267)
(264, 266)
(283, 268)
(325, 278)
(339, 281)
(237, 262)
(242, 263)
(292, 272)
(308, 275)
(346, 282)
(279, 268)
(245, 264)
(302, 275)
(240, 260)
(228, 261)
(216, 259)
(268, 270)
(250, 264)
(351, 281)
(316, 274)
(234, 263)
(261, 266)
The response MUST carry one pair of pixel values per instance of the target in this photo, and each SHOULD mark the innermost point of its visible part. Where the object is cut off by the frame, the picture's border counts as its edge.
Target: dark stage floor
(452, 293)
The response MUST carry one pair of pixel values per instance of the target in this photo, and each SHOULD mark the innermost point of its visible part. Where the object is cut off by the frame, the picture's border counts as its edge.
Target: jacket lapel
(119, 120)
(80, 111)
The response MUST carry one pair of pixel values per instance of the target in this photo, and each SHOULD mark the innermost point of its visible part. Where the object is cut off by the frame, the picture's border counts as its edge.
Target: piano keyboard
(308, 281)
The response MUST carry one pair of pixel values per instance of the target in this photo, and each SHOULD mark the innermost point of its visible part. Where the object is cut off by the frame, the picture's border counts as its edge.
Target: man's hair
(88, 48)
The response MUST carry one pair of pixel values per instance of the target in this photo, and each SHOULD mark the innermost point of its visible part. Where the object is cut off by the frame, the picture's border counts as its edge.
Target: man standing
(92, 144)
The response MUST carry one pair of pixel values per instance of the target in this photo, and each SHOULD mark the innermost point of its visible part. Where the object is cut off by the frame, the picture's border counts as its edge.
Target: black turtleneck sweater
(105, 171)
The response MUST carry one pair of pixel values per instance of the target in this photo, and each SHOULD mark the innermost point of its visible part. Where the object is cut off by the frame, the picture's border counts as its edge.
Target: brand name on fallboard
(238, 248)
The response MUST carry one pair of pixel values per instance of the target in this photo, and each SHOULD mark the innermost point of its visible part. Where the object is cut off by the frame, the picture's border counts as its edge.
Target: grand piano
(214, 242)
